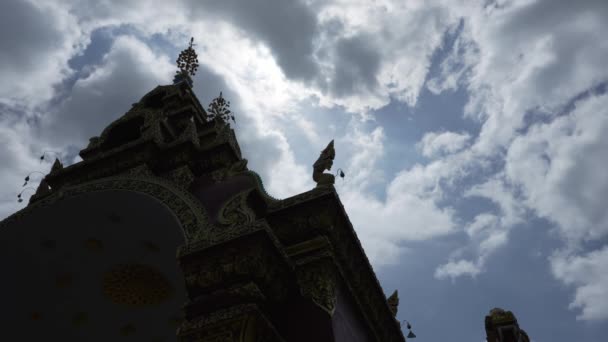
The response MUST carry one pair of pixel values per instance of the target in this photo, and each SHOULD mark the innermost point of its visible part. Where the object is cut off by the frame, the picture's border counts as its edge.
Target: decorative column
(233, 283)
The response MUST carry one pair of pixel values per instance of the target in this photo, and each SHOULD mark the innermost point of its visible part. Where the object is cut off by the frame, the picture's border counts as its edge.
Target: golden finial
(187, 63)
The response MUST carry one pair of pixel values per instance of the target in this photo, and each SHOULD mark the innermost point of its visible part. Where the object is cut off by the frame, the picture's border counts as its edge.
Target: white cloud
(410, 211)
(309, 129)
(519, 60)
(498, 190)
(492, 242)
(487, 232)
(148, 16)
(560, 167)
(264, 96)
(388, 28)
(286, 177)
(20, 156)
(528, 59)
(127, 72)
(531, 56)
(366, 150)
(481, 223)
(456, 67)
(589, 274)
(248, 66)
(513, 65)
(386, 225)
(434, 144)
(381, 251)
(454, 269)
(487, 235)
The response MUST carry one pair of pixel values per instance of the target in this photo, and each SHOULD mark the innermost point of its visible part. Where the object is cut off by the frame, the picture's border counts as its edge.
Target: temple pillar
(234, 287)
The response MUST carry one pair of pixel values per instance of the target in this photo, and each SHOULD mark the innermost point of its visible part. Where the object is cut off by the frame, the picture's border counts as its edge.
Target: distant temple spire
(393, 303)
(502, 326)
(187, 63)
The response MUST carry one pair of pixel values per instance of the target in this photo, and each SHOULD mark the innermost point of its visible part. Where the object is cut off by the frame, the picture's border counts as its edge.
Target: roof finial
(393, 302)
(187, 62)
(220, 108)
(325, 161)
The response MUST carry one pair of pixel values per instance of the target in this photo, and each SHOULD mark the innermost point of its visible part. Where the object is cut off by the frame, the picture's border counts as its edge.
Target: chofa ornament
(325, 162)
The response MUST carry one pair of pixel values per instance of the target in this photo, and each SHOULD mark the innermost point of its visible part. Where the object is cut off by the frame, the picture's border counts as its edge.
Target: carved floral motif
(236, 211)
(318, 282)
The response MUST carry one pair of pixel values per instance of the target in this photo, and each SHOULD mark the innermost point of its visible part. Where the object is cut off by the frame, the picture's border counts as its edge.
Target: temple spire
(187, 63)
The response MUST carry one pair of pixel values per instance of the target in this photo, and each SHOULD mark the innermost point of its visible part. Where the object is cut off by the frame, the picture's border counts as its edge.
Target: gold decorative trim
(187, 209)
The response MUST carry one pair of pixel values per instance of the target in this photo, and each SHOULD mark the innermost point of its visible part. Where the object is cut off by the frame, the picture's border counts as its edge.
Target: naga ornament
(325, 162)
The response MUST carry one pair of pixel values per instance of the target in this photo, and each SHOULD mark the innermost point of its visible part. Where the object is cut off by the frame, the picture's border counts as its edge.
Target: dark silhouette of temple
(502, 326)
(161, 232)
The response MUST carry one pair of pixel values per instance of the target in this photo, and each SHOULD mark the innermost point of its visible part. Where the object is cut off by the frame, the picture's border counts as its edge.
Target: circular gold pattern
(136, 285)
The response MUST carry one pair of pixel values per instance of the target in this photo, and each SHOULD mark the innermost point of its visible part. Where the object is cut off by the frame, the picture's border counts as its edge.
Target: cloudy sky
(470, 132)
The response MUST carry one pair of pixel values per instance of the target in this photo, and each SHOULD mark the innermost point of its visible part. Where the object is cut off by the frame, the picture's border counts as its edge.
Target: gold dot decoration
(93, 245)
(136, 285)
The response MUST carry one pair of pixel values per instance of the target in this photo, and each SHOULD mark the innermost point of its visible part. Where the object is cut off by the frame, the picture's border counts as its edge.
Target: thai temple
(162, 233)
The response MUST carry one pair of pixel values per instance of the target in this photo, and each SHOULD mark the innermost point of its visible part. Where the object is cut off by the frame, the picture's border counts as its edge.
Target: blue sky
(470, 132)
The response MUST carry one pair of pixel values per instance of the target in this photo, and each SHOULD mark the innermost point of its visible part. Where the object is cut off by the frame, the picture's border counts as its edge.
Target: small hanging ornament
(409, 327)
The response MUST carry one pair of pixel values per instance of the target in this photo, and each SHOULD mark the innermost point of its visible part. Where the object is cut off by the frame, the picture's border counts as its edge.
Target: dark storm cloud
(356, 63)
(288, 27)
(299, 42)
(25, 32)
(36, 42)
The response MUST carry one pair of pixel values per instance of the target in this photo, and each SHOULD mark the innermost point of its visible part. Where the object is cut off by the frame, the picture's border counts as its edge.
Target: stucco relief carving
(318, 282)
(236, 211)
(185, 206)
